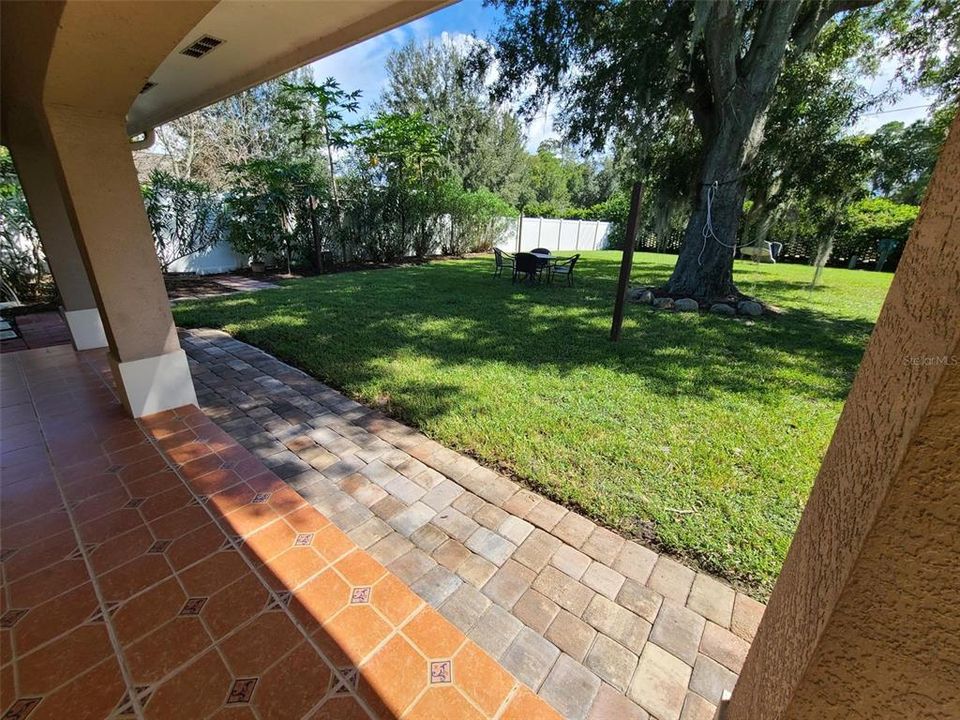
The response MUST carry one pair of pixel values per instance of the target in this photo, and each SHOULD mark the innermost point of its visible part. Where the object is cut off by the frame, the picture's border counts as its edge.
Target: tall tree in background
(315, 118)
(202, 145)
(904, 155)
(817, 101)
(623, 66)
(484, 141)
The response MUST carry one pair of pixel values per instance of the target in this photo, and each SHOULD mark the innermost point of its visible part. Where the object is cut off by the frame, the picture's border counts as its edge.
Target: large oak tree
(629, 66)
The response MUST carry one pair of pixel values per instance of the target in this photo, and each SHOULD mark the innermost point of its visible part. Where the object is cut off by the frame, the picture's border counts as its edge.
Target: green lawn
(701, 434)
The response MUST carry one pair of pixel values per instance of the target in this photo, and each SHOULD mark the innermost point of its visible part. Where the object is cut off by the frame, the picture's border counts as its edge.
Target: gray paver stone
(494, 548)
(573, 529)
(436, 585)
(495, 630)
(536, 610)
(678, 630)
(619, 623)
(710, 679)
(671, 579)
(570, 688)
(611, 705)
(635, 562)
(605, 581)
(612, 662)
(571, 634)
(570, 561)
(536, 550)
(563, 590)
(464, 606)
(603, 545)
(660, 683)
(509, 583)
(530, 657)
(712, 599)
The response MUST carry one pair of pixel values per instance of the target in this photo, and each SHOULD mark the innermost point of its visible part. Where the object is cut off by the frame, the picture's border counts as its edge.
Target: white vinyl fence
(552, 233)
(218, 258)
(555, 234)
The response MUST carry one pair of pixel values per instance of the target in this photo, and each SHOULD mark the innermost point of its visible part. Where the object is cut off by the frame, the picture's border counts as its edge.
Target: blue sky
(361, 67)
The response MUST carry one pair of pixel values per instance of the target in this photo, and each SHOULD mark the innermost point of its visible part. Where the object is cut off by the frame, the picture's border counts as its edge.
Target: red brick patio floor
(157, 569)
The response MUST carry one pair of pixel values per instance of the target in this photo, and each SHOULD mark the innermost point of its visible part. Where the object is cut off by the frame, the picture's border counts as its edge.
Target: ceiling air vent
(201, 47)
(149, 85)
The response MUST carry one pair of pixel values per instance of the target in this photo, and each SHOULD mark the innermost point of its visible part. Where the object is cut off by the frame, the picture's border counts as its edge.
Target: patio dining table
(544, 260)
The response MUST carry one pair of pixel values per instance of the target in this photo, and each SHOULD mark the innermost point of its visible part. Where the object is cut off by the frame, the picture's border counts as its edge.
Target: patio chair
(564, 267)
(501, 259)
(544, 262)
(527, 264)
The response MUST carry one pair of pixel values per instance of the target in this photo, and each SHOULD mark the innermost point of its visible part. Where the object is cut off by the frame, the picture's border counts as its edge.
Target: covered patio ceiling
(242, 44)
(157, 61)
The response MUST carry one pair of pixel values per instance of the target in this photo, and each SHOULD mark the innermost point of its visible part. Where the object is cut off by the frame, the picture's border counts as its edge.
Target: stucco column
(104, 204)
(37, 172)
(864, 621)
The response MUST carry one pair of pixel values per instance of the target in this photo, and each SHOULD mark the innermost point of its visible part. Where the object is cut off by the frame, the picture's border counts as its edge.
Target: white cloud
(362, 67)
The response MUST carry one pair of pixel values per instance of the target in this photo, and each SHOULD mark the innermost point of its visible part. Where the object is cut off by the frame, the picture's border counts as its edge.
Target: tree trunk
(704, 269)
(315, 232)
(334, 192)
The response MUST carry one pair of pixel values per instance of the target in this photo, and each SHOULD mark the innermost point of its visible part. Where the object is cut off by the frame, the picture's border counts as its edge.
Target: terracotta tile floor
(156, 569)
(37, 330)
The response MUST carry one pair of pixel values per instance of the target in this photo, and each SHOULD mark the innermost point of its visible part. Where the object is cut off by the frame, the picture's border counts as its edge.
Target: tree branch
(721, 46)
(816, 15)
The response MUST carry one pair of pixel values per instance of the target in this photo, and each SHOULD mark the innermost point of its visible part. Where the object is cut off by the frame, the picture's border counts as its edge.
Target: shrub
(23, 269)
(185, 216)
(868, 222)
(477, 219)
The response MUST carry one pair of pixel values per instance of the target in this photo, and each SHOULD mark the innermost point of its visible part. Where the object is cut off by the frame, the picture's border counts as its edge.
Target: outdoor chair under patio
(563, 267)
(501, 260)
(528, 265)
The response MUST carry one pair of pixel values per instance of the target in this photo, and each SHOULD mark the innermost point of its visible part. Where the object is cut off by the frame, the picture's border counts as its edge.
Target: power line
(893, 110)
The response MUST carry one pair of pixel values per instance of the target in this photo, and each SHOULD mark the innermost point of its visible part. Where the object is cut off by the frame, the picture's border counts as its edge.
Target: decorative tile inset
(159, 546)
(279, 600)
(7, 553)
(241, 691)
(200, 500)
(360, 595)
(21, 708)
(260, 498)
(193, 606)
(114, 468)
(441, 672)
(350, 678)
(303, 539)
(11, 618)
(135, 502)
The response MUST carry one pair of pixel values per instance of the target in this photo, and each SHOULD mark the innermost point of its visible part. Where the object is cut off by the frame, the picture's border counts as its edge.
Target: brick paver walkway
(600, 627)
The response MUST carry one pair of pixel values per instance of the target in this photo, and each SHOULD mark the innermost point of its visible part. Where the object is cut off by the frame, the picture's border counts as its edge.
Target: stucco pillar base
(86, 328)
(154, 384)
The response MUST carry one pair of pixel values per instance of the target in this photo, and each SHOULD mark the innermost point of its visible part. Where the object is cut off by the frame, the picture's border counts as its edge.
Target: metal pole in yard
(626, 263)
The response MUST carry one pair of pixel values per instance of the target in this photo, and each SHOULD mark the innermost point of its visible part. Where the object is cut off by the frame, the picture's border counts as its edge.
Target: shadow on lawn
(456, 313)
